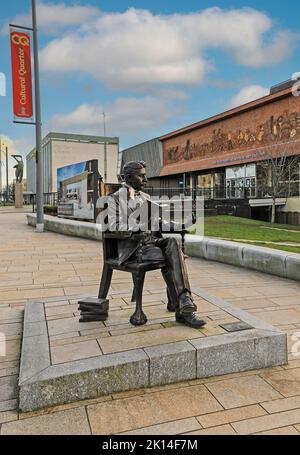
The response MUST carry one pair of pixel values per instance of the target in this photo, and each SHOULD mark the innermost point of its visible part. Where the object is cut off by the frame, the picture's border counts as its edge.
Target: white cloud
(169, 93)
(137, 49)
(15, 146)
(54, 16)
(123, 116)
(247, 94)
(24, 145)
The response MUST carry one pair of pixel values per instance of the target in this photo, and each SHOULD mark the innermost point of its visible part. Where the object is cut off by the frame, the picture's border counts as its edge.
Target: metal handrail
(215, 193)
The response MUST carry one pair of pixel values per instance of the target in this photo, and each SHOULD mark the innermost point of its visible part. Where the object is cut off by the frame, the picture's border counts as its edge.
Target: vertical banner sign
(21, 74)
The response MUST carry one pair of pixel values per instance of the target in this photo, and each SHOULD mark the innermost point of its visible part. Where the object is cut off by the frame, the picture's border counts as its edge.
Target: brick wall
(247, 136)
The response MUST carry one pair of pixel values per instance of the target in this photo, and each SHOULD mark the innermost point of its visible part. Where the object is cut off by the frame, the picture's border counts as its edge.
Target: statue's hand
(190, 220)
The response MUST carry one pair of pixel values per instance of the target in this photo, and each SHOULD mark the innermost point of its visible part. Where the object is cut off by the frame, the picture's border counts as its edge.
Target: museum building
(62, 149)
(223, 157)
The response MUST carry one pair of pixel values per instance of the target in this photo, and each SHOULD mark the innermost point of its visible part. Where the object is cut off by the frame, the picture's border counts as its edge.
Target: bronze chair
(136, 268)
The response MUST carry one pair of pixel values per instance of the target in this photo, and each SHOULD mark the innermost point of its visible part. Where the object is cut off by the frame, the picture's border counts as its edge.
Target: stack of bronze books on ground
(93, 310)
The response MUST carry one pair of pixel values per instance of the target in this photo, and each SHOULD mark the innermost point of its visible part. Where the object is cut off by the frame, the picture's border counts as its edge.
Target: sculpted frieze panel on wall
(283, 128)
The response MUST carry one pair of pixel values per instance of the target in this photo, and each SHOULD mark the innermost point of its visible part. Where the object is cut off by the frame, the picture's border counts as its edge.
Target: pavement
(56, 268)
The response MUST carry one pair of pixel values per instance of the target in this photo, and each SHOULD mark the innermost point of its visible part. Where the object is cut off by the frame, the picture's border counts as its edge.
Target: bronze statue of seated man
(154, 248)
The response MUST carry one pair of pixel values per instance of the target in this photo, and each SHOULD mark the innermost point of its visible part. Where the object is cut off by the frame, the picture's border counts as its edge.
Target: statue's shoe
(190, 319)
(171, 307)
(186, 304)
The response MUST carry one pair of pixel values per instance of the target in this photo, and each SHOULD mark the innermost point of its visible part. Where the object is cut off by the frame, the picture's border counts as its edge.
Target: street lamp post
(39, 153)
(105, 148)
(7, 190)
(6, 159)
(37, 123)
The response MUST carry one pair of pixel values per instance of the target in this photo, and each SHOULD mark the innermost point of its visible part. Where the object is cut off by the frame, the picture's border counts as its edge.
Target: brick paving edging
(42, 384)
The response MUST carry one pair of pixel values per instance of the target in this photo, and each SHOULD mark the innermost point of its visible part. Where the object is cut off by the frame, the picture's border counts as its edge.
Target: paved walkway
(50, 265)
(11, 209)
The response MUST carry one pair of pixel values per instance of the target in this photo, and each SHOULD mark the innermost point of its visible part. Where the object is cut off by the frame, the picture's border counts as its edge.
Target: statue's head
(135, 174)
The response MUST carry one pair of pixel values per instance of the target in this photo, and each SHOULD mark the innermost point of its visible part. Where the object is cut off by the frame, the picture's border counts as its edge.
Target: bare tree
(279, 177)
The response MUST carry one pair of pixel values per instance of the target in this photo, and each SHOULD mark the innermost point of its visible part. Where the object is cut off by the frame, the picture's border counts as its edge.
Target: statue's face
(138, 179)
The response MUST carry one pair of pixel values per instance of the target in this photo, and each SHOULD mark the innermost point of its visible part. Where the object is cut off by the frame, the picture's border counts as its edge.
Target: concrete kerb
(85, 379)
(68, 227)
(266, 260)
(42, 384)
(240, 351)
(292, 267)
(35, 354)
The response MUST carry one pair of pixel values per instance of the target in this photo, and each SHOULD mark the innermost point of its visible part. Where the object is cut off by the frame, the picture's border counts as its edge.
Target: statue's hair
(132, 166)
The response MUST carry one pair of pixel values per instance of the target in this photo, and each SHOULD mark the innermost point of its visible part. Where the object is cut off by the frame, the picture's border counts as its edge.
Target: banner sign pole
(38, 128)
(23, 107)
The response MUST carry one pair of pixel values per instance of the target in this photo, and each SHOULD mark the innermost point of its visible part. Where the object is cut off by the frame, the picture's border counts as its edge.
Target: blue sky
(151, 66)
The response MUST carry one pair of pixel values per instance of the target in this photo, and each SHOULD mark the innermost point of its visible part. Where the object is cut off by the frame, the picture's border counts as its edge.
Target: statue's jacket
(123, 211)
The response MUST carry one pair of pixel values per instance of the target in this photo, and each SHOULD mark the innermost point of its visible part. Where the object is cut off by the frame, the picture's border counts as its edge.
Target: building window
(287, 177)
(241, 182)
(203, 181)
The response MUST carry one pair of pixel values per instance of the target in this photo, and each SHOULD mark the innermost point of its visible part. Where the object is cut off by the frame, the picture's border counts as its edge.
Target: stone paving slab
(160, 407)
(242, 391)
(171, 428)
(64, 361)
(45, 425)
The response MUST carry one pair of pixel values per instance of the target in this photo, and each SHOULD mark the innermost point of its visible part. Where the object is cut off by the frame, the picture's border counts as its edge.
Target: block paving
(61, 269)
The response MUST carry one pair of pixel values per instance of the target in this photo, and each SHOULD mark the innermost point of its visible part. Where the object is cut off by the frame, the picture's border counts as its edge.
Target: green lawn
(235, 228)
